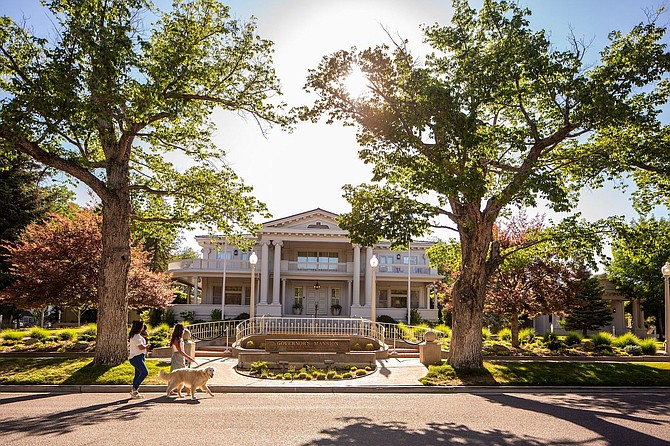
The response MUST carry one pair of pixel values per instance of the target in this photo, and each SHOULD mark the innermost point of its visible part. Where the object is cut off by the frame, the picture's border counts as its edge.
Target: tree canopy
(120, 96)
(495, 117)
(56, 263)
(639, 250)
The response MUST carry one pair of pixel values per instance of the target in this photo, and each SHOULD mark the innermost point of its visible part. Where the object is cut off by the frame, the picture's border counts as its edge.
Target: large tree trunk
(469, 292)
(111, 345)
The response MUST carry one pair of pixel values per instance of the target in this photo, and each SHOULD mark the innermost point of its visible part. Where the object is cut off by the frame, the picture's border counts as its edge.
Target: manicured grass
(72, 371)
(553, 374)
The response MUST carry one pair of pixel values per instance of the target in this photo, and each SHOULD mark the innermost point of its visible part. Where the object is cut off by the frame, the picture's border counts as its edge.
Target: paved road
(336, 419)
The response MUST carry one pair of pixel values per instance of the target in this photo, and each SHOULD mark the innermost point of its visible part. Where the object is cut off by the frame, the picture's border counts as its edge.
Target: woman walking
(179, 356)
(137, 356)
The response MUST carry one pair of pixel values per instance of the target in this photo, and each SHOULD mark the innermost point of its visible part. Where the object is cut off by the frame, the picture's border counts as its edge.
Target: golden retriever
(191, 378)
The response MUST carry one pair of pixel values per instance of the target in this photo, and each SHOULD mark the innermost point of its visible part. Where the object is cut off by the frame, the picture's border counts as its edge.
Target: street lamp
(374, 262)
(665, 270)
(253, 259)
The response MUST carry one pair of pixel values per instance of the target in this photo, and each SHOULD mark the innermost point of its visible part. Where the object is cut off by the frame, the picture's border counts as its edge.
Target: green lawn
(553, 374)
(72, 371)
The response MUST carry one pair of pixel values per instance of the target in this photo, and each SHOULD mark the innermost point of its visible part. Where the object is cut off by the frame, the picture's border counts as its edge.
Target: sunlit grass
(554, 374)
(72, 371)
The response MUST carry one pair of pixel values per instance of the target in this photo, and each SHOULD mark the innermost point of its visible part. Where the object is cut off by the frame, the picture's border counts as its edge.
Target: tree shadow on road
(597, 414)
(365, 431)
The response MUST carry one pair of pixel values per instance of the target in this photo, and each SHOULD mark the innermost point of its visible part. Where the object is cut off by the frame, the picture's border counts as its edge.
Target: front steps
(213, 351)
(405, 352)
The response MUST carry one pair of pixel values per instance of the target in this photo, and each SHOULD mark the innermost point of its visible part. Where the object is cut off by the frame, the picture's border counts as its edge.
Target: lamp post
(665, 270)
(253, 259)
(374, 262)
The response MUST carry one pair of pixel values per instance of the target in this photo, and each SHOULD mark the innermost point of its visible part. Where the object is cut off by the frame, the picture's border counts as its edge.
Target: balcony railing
(293, 266)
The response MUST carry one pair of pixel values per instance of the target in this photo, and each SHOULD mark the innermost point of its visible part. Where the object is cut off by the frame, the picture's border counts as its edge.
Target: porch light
(235, 252)
(316, 285)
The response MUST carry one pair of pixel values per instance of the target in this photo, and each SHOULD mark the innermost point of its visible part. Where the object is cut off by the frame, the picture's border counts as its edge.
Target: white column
(356, 296)
(196, 279)
(368, 277)
(277, 272)
(283, 290)
(265, 275)
(349, 288)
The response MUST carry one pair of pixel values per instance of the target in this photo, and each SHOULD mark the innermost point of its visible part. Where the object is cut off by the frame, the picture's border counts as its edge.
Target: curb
(407, 389)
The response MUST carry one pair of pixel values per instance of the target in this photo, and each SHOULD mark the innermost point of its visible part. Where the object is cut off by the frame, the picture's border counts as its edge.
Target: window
(224, 255)
(413, 259)
(385, 263)
(398, 298)
(335, 296)
(298, 295)
(313, 260)
(382, 299)
(233, 295)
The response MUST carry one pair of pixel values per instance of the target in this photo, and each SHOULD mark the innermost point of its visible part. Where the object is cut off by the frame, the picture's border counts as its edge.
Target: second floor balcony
(215, 266)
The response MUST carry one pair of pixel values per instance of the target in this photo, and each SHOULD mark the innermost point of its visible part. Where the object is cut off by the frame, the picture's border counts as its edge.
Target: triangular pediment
(311, 221)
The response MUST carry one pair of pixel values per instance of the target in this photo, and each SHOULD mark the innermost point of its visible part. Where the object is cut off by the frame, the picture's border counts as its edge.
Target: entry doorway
(316, 302)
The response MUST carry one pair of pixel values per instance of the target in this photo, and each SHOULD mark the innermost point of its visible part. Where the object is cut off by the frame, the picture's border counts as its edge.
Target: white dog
(191, 378)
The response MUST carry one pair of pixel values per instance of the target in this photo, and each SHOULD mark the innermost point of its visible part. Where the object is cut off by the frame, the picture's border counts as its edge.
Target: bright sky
(306, 169)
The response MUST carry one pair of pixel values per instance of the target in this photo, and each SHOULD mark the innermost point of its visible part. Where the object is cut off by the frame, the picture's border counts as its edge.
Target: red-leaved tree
(56, 263)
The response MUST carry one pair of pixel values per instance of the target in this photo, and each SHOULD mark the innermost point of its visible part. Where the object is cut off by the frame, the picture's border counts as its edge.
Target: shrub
(85, 338)
(353, 368)
(573, 338)
(187, 316)
(39, 333)
(625, 339)
(648, 346)
(169, 317)
(505, 334)
(602, 338)
(347, 375)
(259, 367)
(13, 335)
(249, 344)
(320, 376)
(633, 350)
(551, 341)
(526, 335)
(415, 317)
(356, 347)
(361, 372)
(385, 319)
(90, 329)
(67, 334)
(331, 374)
(215, 315)
(486, 334)
(368, 368)
(302, 375)
(444, 329)
(241, 317)
(288, 376)
(369, 347)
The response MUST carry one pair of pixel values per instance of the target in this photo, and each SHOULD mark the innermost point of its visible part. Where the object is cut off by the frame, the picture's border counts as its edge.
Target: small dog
(191, 378)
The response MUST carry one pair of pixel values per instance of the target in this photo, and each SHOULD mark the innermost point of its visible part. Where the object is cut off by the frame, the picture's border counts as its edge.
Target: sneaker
(136, 395)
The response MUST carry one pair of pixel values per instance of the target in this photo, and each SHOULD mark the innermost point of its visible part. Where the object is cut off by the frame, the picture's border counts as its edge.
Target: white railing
(209, 265)
(402, 269)
(311, 326)
(207, 331)
(317, 266)
(410, 334)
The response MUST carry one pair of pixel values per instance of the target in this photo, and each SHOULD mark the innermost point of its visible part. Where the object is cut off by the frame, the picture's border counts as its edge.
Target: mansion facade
(307, 266)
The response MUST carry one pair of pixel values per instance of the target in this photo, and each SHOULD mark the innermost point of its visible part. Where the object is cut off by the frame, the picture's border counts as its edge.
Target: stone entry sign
(307, 345)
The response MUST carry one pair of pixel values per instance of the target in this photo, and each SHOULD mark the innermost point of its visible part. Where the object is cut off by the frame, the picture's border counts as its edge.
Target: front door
(316, 302)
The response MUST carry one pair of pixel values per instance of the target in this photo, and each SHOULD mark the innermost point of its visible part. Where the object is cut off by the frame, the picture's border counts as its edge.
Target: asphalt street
(639, 419)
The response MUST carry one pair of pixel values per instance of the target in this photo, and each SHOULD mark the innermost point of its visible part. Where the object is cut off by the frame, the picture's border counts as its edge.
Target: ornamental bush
(648, 346)
(625, 339)
(602, 338)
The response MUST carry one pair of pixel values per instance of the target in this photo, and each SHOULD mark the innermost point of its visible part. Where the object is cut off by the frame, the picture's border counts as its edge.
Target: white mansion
(306, 259)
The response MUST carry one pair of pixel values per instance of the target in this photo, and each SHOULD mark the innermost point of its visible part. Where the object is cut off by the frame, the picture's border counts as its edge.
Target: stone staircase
(213, 351)
(405, 352)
